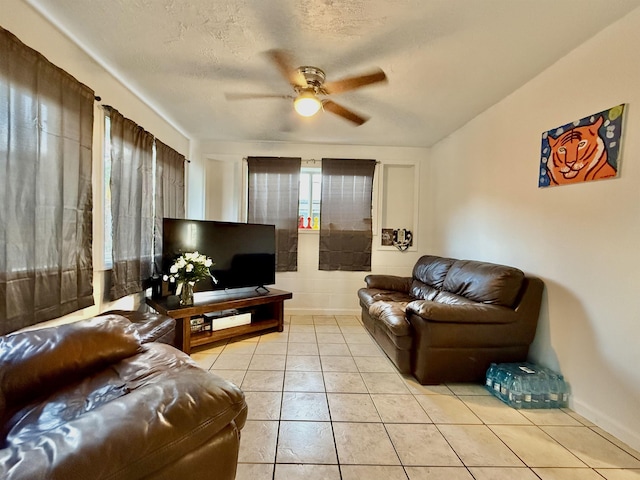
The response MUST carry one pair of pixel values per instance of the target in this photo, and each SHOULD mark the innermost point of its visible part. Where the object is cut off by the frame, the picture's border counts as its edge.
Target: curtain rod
(303, 159)
(244, 159)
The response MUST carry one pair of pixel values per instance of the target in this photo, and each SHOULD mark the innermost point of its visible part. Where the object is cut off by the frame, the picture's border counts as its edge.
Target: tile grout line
(414, 394)
(326, 396)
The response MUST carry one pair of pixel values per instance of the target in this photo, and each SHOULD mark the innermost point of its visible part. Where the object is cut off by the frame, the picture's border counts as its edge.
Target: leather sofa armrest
(151, 327)
(389, 282)
(36, 362)
(465, 313)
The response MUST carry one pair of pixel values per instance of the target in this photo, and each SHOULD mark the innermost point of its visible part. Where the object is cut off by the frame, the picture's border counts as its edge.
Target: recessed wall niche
(398, 204)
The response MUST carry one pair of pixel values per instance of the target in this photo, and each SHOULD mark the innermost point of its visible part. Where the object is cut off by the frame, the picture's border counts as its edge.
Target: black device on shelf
(243, 254)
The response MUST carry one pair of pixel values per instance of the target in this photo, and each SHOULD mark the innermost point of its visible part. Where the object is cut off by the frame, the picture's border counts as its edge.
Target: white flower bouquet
(189, 268)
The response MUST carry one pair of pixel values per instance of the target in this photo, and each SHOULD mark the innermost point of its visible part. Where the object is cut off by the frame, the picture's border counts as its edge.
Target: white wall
(582, 240)
(314, 291)
(35, 31)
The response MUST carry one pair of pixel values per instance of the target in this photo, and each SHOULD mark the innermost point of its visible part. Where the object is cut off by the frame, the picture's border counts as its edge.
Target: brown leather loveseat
(89, 400)
(452, 318)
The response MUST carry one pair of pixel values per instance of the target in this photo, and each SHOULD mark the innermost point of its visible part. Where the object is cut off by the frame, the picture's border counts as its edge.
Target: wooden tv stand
(267, 312)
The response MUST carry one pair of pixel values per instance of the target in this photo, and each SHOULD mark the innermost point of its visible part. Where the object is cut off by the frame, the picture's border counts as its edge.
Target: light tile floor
(325, 403)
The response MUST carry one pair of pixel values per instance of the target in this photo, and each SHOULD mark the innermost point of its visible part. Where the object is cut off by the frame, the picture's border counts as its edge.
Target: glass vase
(186, 294)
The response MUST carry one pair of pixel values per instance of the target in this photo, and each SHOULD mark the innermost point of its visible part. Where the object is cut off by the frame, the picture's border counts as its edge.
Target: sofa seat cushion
(392, 316)
(387, 321)
(134, 417)
(484, 282)
(368, 296)
(452, 299)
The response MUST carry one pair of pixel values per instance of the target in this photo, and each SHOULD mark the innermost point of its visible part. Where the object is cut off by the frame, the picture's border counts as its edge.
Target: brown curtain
(131, 204)
(345, 214)
(169, 193)
(274, 185)
(46, 129)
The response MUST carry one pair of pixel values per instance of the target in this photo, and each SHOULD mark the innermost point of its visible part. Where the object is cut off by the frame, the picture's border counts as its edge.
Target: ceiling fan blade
(345, 113)
(283, 61)
(251, 96)
(351, 83)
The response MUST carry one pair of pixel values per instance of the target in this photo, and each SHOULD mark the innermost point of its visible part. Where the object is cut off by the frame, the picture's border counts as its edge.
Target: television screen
(243, 254)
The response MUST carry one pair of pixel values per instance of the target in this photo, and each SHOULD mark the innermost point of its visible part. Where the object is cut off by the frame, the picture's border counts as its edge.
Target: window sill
(308, 230)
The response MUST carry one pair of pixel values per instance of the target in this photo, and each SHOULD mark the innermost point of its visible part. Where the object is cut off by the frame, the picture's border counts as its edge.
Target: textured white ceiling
(446, 60)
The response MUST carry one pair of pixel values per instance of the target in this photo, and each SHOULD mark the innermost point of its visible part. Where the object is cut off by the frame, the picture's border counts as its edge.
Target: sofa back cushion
(34, 363)
(422, 291)
(484, 282)
(432, 270)
(429, 273)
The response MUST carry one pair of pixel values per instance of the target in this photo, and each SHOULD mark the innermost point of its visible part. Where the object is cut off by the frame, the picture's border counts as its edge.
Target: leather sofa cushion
(452, 299)
(368, 296)
(36, 362)
(467, 312)
(484, 282)
(432, 270)
(392, 315)
(423, 291)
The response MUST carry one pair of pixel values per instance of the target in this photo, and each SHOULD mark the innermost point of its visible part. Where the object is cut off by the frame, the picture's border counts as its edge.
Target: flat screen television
(244, 254)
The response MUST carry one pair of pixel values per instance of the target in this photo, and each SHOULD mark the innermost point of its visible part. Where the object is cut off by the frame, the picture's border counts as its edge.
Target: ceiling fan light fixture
(307, 104)
(311, 90)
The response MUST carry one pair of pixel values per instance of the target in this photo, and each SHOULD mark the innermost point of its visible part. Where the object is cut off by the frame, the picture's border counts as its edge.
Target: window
(168, 196)
(283, 192)
(273, 198)
(346, 229)
(309, 204)
(167, 189)
(46, 134)
(131, 204)
(108, 242)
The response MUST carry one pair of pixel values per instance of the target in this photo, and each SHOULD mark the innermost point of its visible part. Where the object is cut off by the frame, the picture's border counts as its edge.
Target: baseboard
(604, 421)
(322, 311)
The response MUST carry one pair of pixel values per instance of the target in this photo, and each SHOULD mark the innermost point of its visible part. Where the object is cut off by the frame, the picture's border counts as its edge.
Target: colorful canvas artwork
(584, 150)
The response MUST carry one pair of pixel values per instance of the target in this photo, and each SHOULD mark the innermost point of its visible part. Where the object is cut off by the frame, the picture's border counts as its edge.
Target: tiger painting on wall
(582, 151)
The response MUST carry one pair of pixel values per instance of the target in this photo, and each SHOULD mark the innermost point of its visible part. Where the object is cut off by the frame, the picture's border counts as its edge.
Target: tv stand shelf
(266, 308)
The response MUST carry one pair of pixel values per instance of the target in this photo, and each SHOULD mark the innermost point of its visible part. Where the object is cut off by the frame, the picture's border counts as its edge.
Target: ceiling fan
(310, 88)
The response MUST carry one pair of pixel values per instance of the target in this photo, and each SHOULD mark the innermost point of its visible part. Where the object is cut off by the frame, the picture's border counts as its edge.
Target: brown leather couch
(452, 318)
(89, 400)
